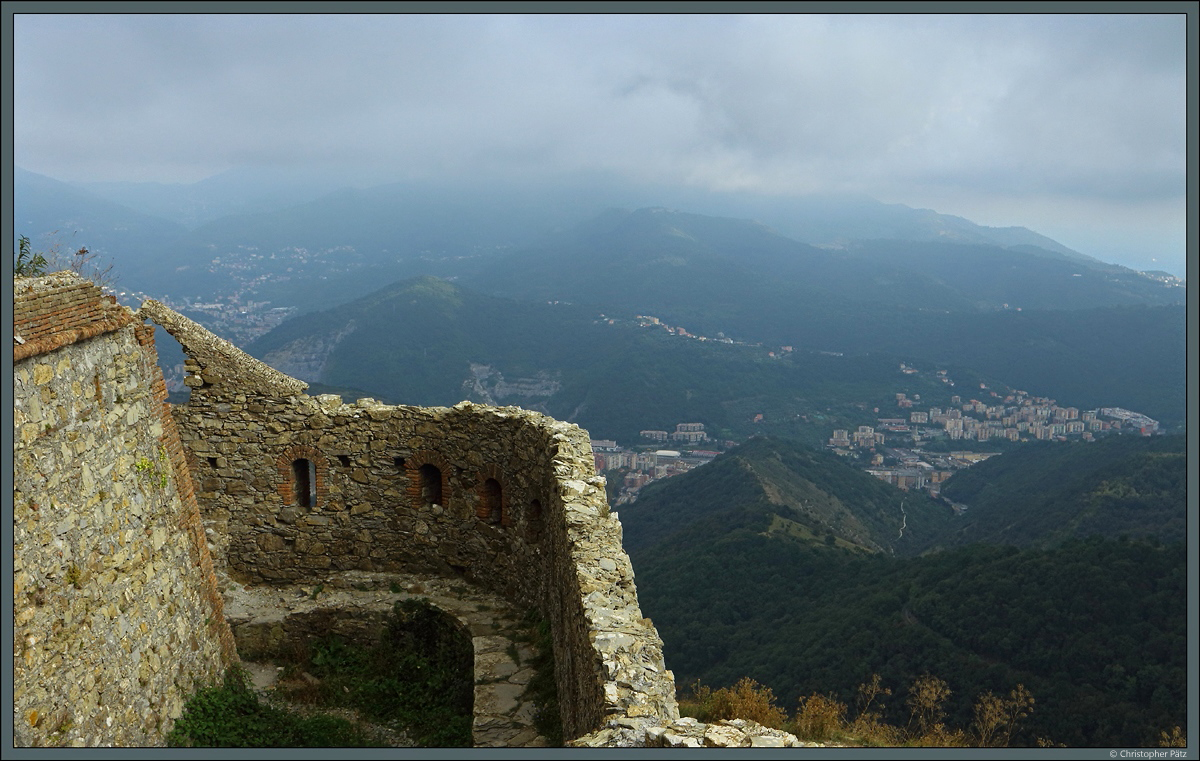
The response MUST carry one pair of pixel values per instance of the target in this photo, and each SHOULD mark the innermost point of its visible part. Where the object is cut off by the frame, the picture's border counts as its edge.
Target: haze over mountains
(387, 225)
(1005, 303)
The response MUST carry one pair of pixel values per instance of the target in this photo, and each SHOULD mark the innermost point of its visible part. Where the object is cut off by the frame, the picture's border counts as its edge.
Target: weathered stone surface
(117, 615)
(295, 490)
(412, 479)
(687, 732)
(271, 621)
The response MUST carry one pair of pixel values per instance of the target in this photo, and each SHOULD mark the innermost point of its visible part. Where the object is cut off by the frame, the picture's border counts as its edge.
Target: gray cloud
(934, 106)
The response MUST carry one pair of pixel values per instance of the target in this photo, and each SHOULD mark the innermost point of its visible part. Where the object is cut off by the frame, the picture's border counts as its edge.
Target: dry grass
(823, 718)
(745, 700)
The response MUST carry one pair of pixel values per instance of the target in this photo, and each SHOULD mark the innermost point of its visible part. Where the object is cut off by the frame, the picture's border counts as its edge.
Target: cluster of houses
(1018, 416)
(647, 464)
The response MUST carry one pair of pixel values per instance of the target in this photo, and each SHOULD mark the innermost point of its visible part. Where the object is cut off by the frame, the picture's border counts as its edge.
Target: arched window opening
(431, 484)
(304, 483)
(491, 501)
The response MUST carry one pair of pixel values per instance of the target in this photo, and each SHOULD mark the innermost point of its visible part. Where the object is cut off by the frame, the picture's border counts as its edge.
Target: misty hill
(1046, 492)
(784, 491)
(53, 213)
(838, 220)
(429, 341)
(1029, 319)
(750, 277)
(358, 238)
(235, 191)
(818, 220)
(745, 568)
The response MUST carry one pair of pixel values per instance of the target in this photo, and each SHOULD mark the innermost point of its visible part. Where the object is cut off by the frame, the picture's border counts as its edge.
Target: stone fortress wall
(298, 487)
(117, 618)
(119, 613)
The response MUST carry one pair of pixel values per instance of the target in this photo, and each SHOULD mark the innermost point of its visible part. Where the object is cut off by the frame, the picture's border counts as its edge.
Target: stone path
(264, 618)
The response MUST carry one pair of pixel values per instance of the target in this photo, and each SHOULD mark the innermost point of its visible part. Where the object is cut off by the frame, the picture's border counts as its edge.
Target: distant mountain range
(741, 277)
(823, 220)
(429, 341)
(448, 228)
(948, 295)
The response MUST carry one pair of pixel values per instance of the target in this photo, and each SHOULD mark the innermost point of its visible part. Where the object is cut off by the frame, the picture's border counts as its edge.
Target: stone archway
(270, 620)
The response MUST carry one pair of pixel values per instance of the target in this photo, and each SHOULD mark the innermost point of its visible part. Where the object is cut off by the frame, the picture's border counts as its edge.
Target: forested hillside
(425, 341)
(1046, 492)
(1096, 630)
(741, 585)
(788, 492)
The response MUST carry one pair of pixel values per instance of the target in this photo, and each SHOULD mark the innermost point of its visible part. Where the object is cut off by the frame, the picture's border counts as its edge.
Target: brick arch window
(302, 471)
(428, 477)
(304, 483)
(431, 484)
(493, 506)
(491, 501)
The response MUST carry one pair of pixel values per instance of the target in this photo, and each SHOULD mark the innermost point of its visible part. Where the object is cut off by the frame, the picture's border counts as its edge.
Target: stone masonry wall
(117, 616)
(294, 488)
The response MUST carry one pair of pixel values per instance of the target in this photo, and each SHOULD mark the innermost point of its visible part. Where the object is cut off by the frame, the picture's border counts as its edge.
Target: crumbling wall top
(221, 362)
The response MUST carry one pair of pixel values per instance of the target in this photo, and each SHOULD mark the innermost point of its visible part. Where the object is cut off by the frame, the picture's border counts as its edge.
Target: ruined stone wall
(117, 614)
(118, 611)
(294, 487)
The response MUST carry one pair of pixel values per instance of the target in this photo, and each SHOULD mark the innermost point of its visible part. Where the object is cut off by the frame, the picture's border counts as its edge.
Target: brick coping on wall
(57, 310)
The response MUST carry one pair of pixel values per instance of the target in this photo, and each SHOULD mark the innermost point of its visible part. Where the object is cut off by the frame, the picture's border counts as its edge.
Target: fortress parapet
(293, 488)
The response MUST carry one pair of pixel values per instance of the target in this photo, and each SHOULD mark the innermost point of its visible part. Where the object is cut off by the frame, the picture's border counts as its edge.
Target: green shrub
(543, 686)
(419, 677)
(231, 716)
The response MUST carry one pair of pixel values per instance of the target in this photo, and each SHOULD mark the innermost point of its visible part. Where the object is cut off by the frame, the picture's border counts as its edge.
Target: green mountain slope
(428, 341)
(734, 567)
(1046, 492)
(787, 492)
(1096, 630)
(1028, 318)
(415, 340)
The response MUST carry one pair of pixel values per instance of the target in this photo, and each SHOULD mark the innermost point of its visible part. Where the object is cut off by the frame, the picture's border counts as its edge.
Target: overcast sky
(1073, 126)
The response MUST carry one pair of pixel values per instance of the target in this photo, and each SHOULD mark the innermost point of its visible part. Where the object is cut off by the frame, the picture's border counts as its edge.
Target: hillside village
(648, 464)
(1016, 417)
